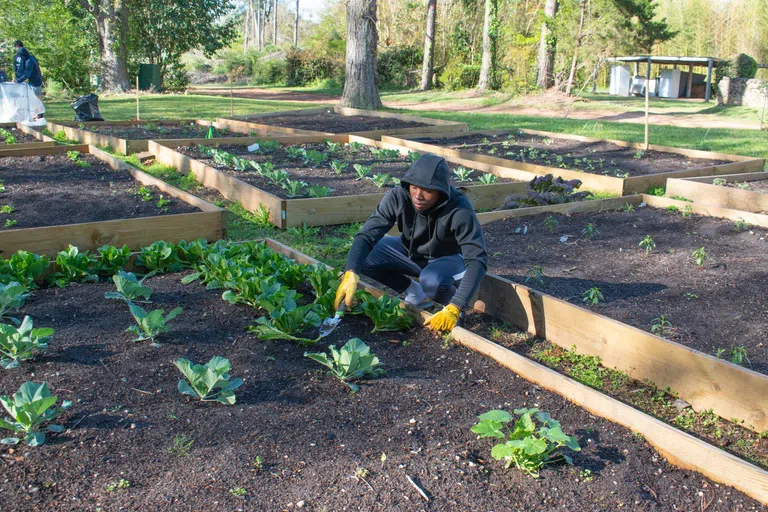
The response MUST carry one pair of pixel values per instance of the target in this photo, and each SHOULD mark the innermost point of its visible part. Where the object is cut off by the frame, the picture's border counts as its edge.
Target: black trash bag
(87, 108)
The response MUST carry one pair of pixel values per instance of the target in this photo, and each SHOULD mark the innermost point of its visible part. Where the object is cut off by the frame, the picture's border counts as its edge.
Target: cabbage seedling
(362, 171)
(21, 343)
(30, 407)
(111, 259)
(209, 382)
(648, 244)
(319, 191)
(386, 313)
(160, 257)
(150, 325)
(74, 267)
(23, 267)
(381, 179)
(12, 296)
(338, 167)
(462, 174)
(353, 362)
(488, 179)
(294, 188)
(593, 296)
(129, 288)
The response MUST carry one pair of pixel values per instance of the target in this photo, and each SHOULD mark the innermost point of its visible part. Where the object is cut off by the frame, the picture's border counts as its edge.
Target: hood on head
(430, 172)
(23, 52)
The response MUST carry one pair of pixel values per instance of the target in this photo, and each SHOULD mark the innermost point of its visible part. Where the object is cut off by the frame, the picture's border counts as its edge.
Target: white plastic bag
(18, 103)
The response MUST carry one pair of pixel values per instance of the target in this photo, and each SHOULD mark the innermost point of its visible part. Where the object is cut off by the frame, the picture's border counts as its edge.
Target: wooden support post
(231, 98)
(138, 118)
(647, 101)
(690, 81)
(709, 81)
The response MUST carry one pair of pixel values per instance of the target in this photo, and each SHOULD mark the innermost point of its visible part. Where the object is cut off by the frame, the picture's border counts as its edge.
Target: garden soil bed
(343, 184)
(53, 190)
(592, 157)
(331, 122)
(721, 304)
(21, 138)
(164, 131)
(753, 186)
(310, 433)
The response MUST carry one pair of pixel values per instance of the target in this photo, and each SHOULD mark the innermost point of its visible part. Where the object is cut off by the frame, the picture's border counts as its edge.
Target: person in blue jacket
(27, 69)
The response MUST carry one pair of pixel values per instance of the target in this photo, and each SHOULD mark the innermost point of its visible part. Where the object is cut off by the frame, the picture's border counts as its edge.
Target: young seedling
(353, 362)
(551, 223)
(74, 267)
(296, 153)
(338, 167)
(384, 154)
(129, 288)
(285, 320)
(739, 355)
(648, 244)
(638, 155)
(687, 212)
(536, 273)
(354, 147)
(386, 313)
(381, 179)
(488, 179)
(699, 256)
(593, 296)
(524, 445)
(316, 158)
(209, 382)
(121, 484)
(21, 343)
(628, 208)
(294, 188)
(660, 325)
(362, 171)
(7, 209)
(30, 407)
(720, 182)
(23, 267)
(150, 325)
(111, 259)
(144, 193)
(276, 176)
(332, 146)
(182, 444)
(413, 156)
(462, 174)
(319, 191)
(589, 231)
(740, 225)
(160, 257)
(12, 297)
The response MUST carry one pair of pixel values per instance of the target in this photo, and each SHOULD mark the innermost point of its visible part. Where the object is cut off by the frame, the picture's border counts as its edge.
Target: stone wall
(742, 91)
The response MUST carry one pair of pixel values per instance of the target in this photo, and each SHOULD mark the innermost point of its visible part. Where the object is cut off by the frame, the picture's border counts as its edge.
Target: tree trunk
(546, 60)
(274, 25)
(360, 90)
(487, 64)
(247, 26)
(111, 24)
(579, 37)
(427, 69)
(296, 27)
(260, 25)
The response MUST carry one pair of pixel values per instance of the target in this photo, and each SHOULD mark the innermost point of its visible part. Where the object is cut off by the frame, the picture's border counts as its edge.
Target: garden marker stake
(137, 98)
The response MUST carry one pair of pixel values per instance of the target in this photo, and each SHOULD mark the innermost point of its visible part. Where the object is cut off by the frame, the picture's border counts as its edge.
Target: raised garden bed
(84, 196)
(352, 201)
(603, 165)
(341, 120)
(290, 440)
(128, 137)
(16, 137)
(10, 136)
(748, 192)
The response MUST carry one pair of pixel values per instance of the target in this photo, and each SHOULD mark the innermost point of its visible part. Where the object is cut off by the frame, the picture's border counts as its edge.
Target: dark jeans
(390, 265)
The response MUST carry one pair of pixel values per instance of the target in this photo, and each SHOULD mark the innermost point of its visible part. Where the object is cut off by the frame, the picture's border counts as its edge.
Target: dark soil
(343, 184)
(591, 157)
(752, 186)
(53, 190)
(164, 131)
(309, 432)
(331, 122)
(21, 138)
(721, 304)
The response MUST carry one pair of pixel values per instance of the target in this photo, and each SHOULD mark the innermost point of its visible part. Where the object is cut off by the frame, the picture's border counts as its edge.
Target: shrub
(457, 75)
(271, 71)
(739, 66)
(400, 66)
(303, 68)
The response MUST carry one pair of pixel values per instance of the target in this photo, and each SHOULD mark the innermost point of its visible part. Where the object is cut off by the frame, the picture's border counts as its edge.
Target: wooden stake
(137, 98)
(231, 99)
(647, 101)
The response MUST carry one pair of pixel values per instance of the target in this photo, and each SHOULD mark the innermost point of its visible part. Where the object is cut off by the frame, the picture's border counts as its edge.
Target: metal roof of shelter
(696, 61)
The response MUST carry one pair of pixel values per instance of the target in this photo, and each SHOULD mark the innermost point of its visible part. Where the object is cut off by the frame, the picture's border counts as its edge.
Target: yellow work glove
(347, 289)
(443, 320)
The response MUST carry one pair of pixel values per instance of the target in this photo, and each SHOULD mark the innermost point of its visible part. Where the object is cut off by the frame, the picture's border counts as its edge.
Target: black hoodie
(450, 227)
(26, 67)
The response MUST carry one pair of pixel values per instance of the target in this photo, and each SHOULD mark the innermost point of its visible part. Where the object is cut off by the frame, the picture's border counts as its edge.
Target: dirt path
(680, 119)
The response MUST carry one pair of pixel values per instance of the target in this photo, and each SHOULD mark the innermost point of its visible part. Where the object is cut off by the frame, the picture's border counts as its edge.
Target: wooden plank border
(705, 381)
(680, 448)
(210, 223)
(703, 191)
(42, 150)
(620, 186)
(38, 134)
(286, 213)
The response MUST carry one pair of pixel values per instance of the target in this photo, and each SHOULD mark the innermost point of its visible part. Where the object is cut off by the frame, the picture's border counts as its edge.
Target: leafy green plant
(638, 155)
(23, 267)
(9, 223)
(209, 382)
(648, 244)
(276, 176)
(238, 492)
(523, 446)
(30, 407)
(8, 137)
(656, 191)
(354, 361)
(413, 156)
(381, 179)
(687, 212)
(737, 355)
(268, 146)
(150, 325)
(740, 225)
(386, 313)
(589, 231)
(462, 174)
(296, 152)
(354, 147)
(319, 191)
(12, 296)
(593, 296)
(74, 267)
(628, 208)
(129, 288)
(488, 179)
(144, 193)
(121, 484)
(551, 223)
(720, 182)
(182, 444)
(191, 253)
(160, 257)
(332, 146)
(111, 259)
(285, 321)
(536, 273)
(660, 325)
(20, 343)
(7, 209)
(294, 188)
(699, 256)
(362, 171)
(316, 158)
(384, 154)
(338, 167)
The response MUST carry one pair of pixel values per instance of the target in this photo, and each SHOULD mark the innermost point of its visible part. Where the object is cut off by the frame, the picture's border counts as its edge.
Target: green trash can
(149, 77)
